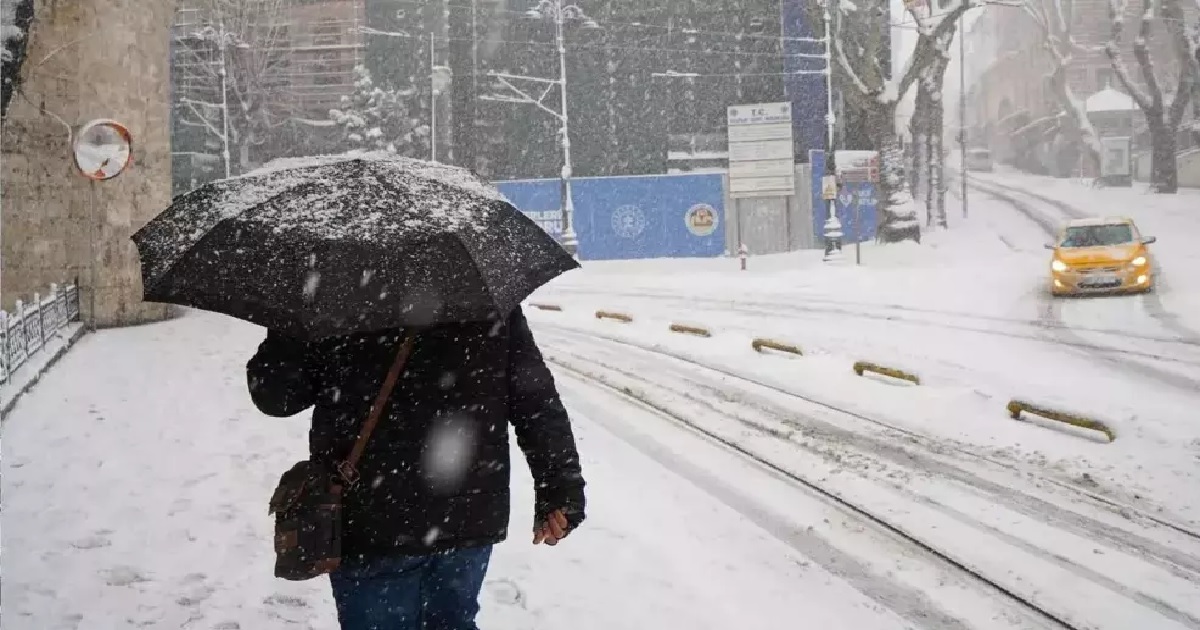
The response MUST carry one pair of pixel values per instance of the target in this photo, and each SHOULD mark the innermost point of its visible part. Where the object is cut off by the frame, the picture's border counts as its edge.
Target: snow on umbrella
(332, 245)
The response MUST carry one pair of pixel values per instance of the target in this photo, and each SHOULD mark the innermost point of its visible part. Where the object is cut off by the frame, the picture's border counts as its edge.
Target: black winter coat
(435, 474)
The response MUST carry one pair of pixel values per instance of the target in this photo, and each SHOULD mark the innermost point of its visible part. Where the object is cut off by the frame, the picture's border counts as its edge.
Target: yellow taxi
(1100, 255)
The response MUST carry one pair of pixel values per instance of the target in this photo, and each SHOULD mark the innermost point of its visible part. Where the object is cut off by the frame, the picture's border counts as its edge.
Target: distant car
(979, 160)
(1101, 255)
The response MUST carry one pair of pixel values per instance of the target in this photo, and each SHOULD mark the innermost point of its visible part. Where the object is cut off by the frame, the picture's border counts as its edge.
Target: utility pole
(433, 92)
(222, 70)
(962, 109)
(464, 64)
(833, 227)
(561, 15)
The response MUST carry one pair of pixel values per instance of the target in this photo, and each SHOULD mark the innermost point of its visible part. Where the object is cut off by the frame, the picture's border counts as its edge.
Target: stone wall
(86, 60)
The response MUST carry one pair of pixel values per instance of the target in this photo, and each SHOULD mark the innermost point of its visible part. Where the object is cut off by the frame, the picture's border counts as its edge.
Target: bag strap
(348, 468)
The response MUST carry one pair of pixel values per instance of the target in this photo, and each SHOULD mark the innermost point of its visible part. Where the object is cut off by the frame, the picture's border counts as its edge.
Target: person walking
(391, 290)
(418, 529)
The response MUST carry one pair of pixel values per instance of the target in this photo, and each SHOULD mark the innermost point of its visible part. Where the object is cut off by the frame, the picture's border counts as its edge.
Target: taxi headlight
(1058, 265)
(1139, 261)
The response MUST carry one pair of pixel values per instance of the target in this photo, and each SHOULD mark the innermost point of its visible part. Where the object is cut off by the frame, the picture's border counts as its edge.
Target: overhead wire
(574, 46)
(664, 27)
(903, 22)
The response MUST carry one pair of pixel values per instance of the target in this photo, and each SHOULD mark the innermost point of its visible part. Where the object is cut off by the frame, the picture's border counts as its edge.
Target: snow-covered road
(135, 479)
(1011, 525)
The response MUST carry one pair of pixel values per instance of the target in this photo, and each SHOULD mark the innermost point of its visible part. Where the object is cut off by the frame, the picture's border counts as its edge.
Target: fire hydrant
(742, 253)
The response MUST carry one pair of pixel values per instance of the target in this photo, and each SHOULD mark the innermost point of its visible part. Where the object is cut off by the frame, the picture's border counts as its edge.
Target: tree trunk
(937, 167)
(919, 126)
(927, 148)
(243, 159)
(897, 211)
(1089, 140)
(1164, 170)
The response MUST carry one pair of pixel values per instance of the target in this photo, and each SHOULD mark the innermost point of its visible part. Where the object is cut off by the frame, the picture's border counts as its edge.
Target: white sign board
(857, 166)
(761, 154)
(1116, 157)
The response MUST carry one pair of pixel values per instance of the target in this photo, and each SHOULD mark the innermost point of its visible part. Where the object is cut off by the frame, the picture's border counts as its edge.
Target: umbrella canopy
(333, 245)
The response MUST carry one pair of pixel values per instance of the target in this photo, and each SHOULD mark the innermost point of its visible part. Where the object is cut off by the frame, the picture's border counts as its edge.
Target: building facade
(1013, 107)
(288, 63)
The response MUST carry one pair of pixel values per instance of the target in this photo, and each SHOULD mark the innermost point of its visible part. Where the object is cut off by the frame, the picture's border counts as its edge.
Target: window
(1104, 78)
(327, 33)
(1098, 235)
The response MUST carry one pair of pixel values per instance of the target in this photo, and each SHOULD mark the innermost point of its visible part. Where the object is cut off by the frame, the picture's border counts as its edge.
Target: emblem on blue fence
(701, 220)
(628, 221)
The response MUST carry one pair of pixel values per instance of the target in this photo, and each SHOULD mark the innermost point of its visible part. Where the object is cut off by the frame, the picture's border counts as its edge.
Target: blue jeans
(439, 591)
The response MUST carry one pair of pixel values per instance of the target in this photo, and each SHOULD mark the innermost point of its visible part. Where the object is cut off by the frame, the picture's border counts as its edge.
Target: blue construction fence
(680, 216)
(622, 218)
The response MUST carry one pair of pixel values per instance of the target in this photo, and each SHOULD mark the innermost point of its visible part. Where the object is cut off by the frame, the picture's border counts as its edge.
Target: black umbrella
(333, 245)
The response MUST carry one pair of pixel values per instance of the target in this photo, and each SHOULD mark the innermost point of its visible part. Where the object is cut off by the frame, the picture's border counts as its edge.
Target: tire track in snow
(910, 315)
(1052, 308)
(913, 605)
(895, 434)
(907, 602)
(1186, 568)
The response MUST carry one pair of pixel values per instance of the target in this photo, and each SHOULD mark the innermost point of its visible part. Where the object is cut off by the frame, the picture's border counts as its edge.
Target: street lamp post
(561, 14)
(570, 239)
(222, 39)
(224, 45)
(833, 227)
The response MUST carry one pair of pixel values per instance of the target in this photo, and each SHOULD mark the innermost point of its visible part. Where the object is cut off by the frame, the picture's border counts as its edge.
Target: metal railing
(31, 326)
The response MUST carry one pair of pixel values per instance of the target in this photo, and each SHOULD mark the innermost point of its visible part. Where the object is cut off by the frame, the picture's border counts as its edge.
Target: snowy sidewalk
(136, 475)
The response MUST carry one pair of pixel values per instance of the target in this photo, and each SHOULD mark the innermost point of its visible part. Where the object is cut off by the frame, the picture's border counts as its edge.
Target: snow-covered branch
(861, 67)
(848, 68)
(525, 97)
(1054, 18)
(201, 119)
(232, 62)
(375, 118)
(1151, 97)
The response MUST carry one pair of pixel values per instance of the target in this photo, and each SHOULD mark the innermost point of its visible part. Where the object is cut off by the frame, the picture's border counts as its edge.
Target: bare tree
(1191, 62)
(1055, 20)
(1163, 118)
(232, 63)
(928, 133)
(860, 64)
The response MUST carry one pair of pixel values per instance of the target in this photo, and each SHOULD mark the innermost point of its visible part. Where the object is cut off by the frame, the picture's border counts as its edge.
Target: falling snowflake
(449, 453)
(311, 281)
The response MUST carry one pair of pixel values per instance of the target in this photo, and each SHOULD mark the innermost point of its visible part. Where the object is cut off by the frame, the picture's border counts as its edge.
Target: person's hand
(551, 530)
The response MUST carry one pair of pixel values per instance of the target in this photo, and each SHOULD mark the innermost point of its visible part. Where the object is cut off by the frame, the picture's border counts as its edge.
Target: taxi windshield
(1098, 235)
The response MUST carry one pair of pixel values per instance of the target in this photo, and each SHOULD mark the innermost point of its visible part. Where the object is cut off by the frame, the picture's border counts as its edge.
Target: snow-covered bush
(375, 118)
(15, 17)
